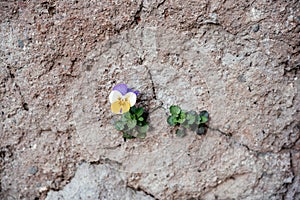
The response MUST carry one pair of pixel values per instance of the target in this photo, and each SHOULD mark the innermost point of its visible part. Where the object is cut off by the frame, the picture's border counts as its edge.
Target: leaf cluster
(133, 124)
(188, 120)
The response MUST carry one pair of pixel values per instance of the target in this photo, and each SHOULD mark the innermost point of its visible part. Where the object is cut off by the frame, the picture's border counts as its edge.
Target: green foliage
(133, 124)
(127, 136)
(180, 132)
(172, 120)
(191, 117)
(188, 120)
(201, 130)
(204, 116)
(120, 125)
(177, 116)
(175, 110)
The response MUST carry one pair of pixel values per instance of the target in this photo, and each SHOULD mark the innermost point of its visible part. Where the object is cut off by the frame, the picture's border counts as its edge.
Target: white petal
(131, 97)
(114, 96)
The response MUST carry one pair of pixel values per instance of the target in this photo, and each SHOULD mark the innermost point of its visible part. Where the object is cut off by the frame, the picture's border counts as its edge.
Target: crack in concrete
(23, 106)
(288, 185)
(157, 7)
(222, 132)
(226, 179)
(137, 15)
(108, 161)
(160, 4)
(259, 154)
(256, 152)
(140, 189)
(152, 83)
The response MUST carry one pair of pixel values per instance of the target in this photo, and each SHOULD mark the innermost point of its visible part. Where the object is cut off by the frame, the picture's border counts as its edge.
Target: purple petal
(122, 88)
(134, 91)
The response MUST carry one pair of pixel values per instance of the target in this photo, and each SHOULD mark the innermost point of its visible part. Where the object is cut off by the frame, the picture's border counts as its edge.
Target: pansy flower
(122, 98)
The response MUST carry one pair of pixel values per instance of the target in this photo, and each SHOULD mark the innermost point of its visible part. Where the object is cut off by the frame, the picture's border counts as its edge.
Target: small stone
(290, 18)
(21, 44)
(255, 28)
(33, 170)
(43, 189)
(288, 179)
(241, 78)
(227, 126)
(25, 106)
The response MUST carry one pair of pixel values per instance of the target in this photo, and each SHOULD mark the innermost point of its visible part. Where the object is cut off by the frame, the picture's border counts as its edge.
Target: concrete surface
(237, 59)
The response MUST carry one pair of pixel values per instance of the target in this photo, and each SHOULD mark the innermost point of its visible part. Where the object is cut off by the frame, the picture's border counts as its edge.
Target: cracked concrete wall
(97, 182)
(237, 59)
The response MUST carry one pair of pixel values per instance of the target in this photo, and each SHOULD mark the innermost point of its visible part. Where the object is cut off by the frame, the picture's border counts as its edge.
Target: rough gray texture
(237, 59)
(97, 182)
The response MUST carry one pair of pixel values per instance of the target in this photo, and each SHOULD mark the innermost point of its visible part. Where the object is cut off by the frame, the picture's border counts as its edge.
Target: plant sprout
(188, 120)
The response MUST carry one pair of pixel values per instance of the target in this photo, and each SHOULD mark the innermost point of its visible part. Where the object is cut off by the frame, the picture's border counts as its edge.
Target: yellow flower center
(120, 106)
(122, 101)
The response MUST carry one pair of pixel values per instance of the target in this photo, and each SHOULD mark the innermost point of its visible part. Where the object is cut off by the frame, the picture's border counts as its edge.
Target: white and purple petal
(131, 97)
(114, 96)
(122, 88)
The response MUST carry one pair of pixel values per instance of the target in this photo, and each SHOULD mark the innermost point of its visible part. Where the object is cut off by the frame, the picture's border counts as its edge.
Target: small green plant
(133, 124)
(188, 120)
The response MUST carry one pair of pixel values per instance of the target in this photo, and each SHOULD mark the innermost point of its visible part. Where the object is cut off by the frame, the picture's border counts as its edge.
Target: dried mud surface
(237, 59)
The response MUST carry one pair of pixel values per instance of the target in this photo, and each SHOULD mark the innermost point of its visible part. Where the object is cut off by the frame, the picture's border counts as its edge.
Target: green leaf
(180, 132)
(139, 111)
(203, 119)
(141, 119)
(180, 121)
(141, 135)
(128, 136)
(127, 116)
(201, 130)
(123, 118)
(198, 120)
(139, 123)
(181, 118)
(190, 118)
(119, 125)
(131, 123)
(143, 129)
(175, 110)
(204, 116)
(133, 109)
(172, 120)
(193, 127)
(186, 125)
